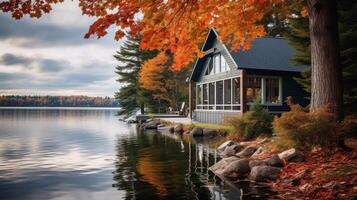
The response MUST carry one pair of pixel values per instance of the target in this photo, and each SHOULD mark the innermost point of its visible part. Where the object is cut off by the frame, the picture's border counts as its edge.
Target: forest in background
(58, 101)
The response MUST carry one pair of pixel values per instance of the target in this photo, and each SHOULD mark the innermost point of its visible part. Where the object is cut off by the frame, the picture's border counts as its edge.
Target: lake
(56, 153)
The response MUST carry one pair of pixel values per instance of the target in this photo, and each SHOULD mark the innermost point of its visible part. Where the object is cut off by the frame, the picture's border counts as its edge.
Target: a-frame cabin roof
(266, 53)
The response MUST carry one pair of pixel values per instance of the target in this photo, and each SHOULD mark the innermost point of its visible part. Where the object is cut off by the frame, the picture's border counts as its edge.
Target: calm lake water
(90, 154)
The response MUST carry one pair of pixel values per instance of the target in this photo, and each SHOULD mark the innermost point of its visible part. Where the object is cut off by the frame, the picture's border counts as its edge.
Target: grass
(219, 127)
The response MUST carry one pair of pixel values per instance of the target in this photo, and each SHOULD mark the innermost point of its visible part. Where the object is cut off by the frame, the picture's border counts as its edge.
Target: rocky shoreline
(293, 174)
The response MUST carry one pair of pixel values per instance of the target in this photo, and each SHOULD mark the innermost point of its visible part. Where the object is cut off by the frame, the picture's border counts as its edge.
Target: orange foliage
(177, 26)
(151, 76)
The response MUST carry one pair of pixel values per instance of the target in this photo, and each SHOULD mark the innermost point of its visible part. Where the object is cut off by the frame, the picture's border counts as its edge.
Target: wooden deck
(141, 118)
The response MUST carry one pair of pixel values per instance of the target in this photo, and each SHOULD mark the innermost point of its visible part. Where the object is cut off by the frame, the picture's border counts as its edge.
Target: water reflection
(89, 154)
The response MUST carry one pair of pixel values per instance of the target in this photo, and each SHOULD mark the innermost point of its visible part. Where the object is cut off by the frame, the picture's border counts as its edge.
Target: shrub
(349, 126)
(255, 122)
(305, 130)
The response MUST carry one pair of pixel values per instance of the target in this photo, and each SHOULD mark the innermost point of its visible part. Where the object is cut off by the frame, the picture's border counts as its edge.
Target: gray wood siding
(213, 117)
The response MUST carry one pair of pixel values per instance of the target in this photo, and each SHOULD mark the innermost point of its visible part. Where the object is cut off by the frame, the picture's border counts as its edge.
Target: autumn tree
(179, 26)
(166, 86)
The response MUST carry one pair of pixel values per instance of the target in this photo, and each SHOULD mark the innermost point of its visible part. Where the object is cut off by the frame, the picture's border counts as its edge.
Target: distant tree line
(58, 101)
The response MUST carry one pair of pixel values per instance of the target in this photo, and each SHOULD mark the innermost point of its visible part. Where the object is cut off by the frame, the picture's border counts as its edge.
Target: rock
(222, 164)
(258, 152)
(306, 187)
(223, 146)
(178, 129)
(187, 132)
(237, 169)
(171, 129)
(296, 179)
(247, 152)
(230, 150)
(196, 132)
(207, 132)
(161, 126)
(333, 185)
(264, 173)
(292, 155)
(150, 125)
(275, 161)
(254, 163)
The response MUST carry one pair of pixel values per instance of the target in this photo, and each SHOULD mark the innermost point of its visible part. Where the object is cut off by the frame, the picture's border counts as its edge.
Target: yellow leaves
(150, 76)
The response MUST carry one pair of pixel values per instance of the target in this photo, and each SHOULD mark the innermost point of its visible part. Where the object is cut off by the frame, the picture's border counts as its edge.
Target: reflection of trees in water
(160, 166)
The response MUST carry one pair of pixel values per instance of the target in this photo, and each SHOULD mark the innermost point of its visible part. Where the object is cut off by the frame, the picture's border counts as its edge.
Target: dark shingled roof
(266, 53)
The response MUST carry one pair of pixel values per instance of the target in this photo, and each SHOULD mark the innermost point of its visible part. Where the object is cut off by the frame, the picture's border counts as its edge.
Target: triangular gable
(207, 46)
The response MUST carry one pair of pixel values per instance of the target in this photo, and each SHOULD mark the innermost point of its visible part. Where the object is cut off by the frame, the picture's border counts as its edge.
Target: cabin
(224, 83)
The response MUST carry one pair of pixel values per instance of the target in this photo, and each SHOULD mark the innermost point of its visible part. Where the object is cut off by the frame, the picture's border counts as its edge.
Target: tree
(299, 36)
(179, 26)
(165, 85)
(131, 95)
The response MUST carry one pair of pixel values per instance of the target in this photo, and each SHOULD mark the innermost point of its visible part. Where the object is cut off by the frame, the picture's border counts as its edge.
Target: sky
(49, 56)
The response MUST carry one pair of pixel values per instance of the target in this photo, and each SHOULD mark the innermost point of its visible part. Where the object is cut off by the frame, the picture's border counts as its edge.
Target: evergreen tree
(298, 36)
(131, 96)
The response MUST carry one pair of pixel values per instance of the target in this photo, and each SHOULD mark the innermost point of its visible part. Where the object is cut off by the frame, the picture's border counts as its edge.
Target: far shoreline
(56, 108)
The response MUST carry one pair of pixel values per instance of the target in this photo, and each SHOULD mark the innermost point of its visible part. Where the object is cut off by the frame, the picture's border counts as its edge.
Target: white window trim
(215, 97)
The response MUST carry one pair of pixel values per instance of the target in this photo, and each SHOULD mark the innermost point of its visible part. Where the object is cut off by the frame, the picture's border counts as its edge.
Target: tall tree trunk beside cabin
(326, 77)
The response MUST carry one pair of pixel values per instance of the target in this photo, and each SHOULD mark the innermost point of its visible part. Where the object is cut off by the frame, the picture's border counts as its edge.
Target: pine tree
(131, 96)
(298, 37)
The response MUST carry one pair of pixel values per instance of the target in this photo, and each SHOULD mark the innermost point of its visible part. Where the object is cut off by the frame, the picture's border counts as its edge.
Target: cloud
(11, 59)
(42, 65)
(32, 34)
(50, 56)
(50, 66)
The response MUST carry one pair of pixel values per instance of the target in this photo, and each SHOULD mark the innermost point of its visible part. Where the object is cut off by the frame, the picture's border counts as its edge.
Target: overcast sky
(49, 56)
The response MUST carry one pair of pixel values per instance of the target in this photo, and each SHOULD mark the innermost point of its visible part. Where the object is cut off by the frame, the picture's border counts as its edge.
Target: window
(211, 88)
(254, 85)
(217, 63)
(224, 65)
(272, 91)
(199, 94)
(227, 93)
(219, 94)
(205, 94)
(209, 70)
(236, 90)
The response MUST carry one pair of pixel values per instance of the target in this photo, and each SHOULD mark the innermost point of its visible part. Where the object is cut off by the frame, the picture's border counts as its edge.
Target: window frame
(263, 90)
(201, 107)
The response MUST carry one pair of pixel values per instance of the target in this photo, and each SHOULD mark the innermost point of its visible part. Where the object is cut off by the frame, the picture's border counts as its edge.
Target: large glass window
(236, 90)
(209, 70)
(254, 86)
(217, 63)
(205, 94)
(272, 91)
(224, 65)
(219, 94)
(211, 87)
(227, 91)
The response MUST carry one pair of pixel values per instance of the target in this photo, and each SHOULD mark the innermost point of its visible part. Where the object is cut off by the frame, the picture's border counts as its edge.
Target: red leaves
(35, 9)
(323, 167)
(17, 14)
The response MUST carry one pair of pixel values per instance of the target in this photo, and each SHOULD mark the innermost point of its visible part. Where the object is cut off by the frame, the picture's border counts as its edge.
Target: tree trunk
(326, 77)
